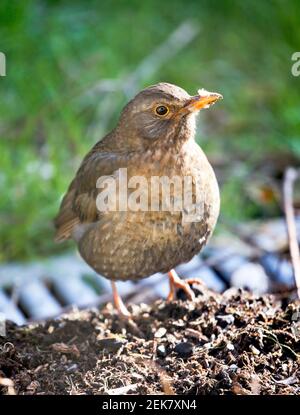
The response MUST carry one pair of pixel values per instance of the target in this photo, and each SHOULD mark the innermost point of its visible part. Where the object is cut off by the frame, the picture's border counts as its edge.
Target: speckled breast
(130, 245)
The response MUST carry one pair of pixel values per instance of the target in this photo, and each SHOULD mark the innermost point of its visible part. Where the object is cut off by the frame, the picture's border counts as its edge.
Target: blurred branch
(291, 175)
(177, 40)
(129, 85)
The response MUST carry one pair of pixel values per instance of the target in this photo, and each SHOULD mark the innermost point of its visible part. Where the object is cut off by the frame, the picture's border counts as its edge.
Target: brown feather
(65, 231)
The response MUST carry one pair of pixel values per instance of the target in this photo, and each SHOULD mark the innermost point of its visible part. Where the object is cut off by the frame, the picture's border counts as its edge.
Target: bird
(153, 138)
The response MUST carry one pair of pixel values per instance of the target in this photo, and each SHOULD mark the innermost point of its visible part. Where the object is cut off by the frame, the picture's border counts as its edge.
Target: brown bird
(154, 138)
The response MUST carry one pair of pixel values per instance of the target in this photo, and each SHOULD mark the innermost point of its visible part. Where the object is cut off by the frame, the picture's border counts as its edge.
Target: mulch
(230, 343)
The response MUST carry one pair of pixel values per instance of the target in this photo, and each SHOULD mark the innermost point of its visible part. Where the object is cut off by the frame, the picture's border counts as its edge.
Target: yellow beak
(204, 99)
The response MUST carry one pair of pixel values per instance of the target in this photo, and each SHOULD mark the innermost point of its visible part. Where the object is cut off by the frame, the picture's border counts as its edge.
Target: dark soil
(233, 343)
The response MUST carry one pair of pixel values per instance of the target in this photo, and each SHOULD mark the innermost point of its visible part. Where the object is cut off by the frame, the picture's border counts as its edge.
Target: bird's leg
(124, 313)
(176, 282)
(118, 302)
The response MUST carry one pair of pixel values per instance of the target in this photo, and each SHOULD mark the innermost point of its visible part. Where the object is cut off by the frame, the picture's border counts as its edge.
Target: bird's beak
(204, 99)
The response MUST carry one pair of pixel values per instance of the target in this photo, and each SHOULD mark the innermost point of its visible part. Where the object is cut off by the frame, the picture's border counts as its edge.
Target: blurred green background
(55, 105)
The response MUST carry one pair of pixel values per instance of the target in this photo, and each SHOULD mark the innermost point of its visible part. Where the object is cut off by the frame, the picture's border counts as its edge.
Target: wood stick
(291, 174)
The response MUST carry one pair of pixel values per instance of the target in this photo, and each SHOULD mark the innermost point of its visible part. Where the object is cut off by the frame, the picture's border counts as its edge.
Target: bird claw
(178, 283)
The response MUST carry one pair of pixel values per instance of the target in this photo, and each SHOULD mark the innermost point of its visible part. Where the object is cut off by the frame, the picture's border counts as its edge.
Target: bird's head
(163, 112)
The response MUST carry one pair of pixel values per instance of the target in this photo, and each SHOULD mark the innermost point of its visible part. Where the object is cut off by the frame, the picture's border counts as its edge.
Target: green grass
(57, 50)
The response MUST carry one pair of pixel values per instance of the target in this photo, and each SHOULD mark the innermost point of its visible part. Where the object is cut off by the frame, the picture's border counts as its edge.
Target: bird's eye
(161, 110)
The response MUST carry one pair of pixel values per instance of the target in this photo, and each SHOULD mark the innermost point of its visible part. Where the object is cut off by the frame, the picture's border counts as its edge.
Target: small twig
(290, 177)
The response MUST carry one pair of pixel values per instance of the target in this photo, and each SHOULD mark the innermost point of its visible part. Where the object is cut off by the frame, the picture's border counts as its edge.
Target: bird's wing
(79, 203)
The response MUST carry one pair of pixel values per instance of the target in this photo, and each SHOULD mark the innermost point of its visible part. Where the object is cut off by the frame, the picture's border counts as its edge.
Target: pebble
(161, 351)
(254, 350)
(230, 346)
(160, 332)
(184, 349)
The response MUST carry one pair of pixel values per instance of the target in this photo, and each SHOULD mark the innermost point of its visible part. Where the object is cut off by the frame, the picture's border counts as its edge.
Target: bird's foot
(185, 285)
(119, 305)
(124, 313)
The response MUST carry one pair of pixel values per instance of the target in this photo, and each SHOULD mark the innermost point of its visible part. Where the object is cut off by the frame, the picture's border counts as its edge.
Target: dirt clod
(218, 344)
(184, 349)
